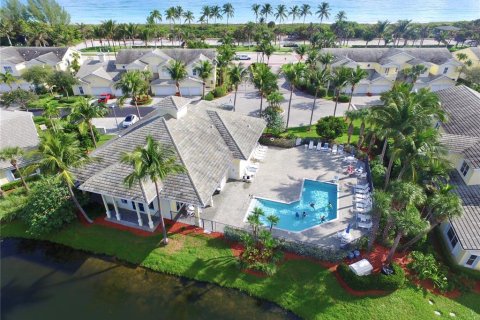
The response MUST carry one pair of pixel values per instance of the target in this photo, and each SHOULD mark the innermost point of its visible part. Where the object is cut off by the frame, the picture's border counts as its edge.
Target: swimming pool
(322, 195)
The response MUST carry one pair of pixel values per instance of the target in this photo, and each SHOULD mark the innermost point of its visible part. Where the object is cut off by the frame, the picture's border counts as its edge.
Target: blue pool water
(318, 193)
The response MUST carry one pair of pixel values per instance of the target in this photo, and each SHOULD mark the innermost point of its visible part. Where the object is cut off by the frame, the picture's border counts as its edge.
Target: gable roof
(42, 54)
(467, 226)
(199, 146)
(17, 130)
(106, 70)
(383, 55)
(173, 102)
(128, 56)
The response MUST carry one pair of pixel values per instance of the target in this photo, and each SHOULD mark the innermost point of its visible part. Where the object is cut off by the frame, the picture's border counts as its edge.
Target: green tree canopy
(330, 128)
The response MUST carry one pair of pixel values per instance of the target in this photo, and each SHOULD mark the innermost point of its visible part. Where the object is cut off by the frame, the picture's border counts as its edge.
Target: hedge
(18, 183)
(208, 97)
(343, 98)
(376, 281)
(277, 142)
(219, 91)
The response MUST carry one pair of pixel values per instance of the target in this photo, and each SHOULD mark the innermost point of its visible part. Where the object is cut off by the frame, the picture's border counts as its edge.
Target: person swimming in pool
(312, 205)
(330, 206)
(323, 218)
(297, 215)
(304, 214)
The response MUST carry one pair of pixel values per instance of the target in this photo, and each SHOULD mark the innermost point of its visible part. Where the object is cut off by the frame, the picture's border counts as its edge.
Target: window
(134, 206)
(464, 169)
(452, 237)
(396, 69)
(123, 201)
(387, 70)
(194, 72)
(80, 89)
(8, 69)
(140, 207)
(151, 206)
(445, 70)
(471, 260)
(368, 65)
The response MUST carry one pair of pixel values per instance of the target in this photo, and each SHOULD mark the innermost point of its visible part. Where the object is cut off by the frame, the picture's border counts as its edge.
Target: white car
(129, 120)
(242, 57)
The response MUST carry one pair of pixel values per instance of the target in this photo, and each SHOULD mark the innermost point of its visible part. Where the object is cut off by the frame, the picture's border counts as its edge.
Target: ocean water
(366, 11)
(320, 194)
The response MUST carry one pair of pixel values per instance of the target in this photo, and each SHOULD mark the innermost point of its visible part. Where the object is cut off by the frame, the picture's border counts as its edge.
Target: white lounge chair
(362, 196)
(319, 146)
(334, 149)
(310, 145)
(325, 147)
(298, 142)
(365, 225)
(362, 186)
(306, 146)
(362, 191)
(364, 217)
(340, 149)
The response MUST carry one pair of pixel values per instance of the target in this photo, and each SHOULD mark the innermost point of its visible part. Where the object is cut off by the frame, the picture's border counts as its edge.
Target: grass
(303, 287)
(309, 132)
(59, 103)
(104, 138)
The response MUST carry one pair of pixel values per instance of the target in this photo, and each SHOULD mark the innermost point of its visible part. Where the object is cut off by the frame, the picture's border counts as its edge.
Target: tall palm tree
(178, 72)
(84, 112)
(133, 83)
(57, 154)
(400, 30)
(340, 79)
(266, 10)
(8, 79)
(326, 60)
(323, 11)
(132, 31)
(415, 72)
(301, 50)
(205, 13)
(216, 13)
(294, 12)
(305, 11)
(13, 155)
(170, 15)
(272, 220)
(253, 220)
(51, 111)
(178, 13)
(264, 80)
(153, 162)
(156, 15)
(294, 74)
(281, 13)
(318, 78)
(341, 16)
(256, 11)
(189, 17)
(204, 69)
(380, 29)
(228, 10)
(356, 76)
(109, 27)
(236, 74)
(382, 202)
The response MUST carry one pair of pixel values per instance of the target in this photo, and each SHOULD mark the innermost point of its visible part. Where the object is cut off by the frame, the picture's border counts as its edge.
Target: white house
(461, 135)
(213, 145)
(98, 77)
(386, 65)
(16, 60)
(16, 130)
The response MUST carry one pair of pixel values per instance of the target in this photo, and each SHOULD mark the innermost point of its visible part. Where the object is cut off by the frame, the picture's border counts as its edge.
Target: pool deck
(280, 178)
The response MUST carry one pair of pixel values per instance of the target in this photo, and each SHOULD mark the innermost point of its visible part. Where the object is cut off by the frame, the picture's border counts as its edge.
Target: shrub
(330, 127)
(12, 205)
(269, 140)
(275, 123)
(209, 97)
(376, 281)
(426, 267)
(378, 173)
(219, 91)
(143, 100)
(343, 98)
(48, 207)
(18, 183)
(39, 120)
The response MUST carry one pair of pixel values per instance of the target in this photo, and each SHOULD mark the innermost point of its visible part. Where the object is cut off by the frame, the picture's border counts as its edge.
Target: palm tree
(380, 29)
(204, 69)
(326, 60)
(305, 11)
(178, 13)
(414, 72)
(301, 50)
(205, 13)
(8, 79)
(146, 35)
(156, 15)
(356, 75)
(14, 154)
(318, 78)
(228, 10)
(294, 74)
(236, 74)
(462, 57)
(264, 80)
(84, 112)
(254, 220)
(133, 83)
(57, 154)
(188, 16)
(153, 162)
(312, 58)
(281, 13)
(323, 11)
(266, 10)
(340, 79)
(132, 31)
(272, 220)
(109, 27)
(294, 12)
(51, 111)
(178, 72)
(382, 202)
(215, 13)
(400, 29)
(256, 11)
(341, 16)
(170, 15)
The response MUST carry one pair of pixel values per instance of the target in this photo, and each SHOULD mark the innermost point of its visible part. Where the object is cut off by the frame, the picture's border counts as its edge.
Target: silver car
(129, 120)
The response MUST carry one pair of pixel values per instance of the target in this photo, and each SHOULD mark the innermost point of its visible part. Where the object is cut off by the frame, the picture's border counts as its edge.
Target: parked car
(129, 120)
(242, 57)
(104, 97)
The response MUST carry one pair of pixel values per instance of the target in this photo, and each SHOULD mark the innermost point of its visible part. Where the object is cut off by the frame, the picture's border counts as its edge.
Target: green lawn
(300, 286)
(307, 132)
(59, 103)
(104, 138)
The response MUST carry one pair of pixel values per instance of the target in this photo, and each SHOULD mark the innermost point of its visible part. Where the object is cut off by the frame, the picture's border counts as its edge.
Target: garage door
(164, 90)
(96, 91)
(361, 89)
(376, 89)
(191, 91)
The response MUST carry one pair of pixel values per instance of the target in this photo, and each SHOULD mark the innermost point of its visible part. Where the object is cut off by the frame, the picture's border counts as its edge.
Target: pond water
(46, 281)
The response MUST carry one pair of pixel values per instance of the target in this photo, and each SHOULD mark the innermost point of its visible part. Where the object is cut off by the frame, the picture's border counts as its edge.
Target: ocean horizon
(362, 11)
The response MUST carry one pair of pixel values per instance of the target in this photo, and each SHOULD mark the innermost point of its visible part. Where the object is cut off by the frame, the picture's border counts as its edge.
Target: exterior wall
(471, 56)
(3, 176)
(452, 72)
(237, 169)
(474, 177)
(460, 255)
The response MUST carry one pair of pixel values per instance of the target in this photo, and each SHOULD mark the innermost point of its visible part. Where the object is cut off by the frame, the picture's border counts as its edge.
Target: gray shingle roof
(462, 105)
(383, 55)
(476, 51)
(467, 226)
(21, 54)
(173, 102)
(127, 56)
(458, 143)
(106, 70)
(199, 145)
(17, 130)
